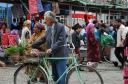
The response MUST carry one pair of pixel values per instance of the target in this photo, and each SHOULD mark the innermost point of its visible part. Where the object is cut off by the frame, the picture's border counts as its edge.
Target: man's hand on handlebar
(49, 51)
(35, 52)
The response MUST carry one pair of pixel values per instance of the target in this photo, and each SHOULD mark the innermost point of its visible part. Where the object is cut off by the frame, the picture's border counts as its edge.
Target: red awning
(83, 15)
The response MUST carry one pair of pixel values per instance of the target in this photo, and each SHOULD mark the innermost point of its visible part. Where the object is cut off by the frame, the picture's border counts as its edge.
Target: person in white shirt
(121, 34)
(26, 33)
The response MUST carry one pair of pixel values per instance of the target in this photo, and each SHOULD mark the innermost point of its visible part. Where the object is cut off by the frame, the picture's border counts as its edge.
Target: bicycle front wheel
(83, 74)
(30, 73)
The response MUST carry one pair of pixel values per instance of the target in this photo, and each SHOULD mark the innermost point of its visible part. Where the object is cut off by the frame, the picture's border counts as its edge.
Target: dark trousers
(58, 68)
(77, 51)
(119, 52)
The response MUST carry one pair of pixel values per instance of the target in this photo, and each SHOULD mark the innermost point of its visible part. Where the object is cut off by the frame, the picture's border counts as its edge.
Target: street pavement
(109, 73)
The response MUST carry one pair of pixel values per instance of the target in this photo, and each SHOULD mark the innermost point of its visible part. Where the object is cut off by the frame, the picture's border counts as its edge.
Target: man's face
(48, 22)
(117, 24)
(79, 29)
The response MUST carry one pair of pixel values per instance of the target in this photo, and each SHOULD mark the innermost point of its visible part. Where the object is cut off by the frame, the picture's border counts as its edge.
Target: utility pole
(70, 16)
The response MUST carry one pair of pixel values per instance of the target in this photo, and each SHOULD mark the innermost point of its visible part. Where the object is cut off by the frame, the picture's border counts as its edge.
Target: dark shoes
(121, 67)
(115, 64)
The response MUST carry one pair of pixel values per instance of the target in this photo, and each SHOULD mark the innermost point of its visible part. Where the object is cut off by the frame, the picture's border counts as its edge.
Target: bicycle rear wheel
(30, 73)
(83, 74)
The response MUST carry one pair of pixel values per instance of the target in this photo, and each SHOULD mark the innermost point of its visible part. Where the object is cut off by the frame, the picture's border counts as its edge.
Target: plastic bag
(107, 40)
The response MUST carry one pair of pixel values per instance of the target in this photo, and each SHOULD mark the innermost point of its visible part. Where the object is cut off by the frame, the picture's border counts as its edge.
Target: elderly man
(55, 39)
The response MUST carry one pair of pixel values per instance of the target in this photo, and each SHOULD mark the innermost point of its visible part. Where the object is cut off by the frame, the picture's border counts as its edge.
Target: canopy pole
(100, 14)
(6, 19)
(24, 6)
(109, 17)
(70, 17)
(86, 12)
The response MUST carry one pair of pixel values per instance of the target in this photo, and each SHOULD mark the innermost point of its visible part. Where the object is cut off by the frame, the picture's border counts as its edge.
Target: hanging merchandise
(35, 6)
(28, 17)
(41, 15)
(47, 6)
(39, 5)
(55, 7)
(9, 15)
(17, 11)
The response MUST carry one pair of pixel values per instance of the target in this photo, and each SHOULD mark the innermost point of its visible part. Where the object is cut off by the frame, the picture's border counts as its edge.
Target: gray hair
(50, 15)
(26, 22)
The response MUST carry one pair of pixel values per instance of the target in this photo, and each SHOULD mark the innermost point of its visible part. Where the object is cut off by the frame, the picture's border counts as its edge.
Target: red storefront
(85, 17)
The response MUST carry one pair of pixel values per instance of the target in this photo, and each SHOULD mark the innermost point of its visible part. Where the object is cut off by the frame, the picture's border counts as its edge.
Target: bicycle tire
(72, 78)
(24, 68)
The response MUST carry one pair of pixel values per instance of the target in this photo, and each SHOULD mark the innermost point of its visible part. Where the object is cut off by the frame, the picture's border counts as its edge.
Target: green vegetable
(14, 49)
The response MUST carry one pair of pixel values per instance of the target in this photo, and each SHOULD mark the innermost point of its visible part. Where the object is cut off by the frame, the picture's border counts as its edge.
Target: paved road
(110, 74)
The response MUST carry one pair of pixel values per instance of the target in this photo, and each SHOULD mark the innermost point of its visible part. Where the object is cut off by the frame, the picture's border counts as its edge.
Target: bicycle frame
(41, 64)
(74, 64)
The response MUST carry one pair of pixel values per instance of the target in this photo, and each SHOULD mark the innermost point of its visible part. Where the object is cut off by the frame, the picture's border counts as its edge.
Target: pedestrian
(4, 28)
(39, 31)
(55, 38)
(26, 33)
(4, 32)
(92, 45)
(76, 40)
(121, 35)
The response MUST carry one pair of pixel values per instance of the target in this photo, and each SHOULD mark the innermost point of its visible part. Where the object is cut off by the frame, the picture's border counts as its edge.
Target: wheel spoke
(30, 74)
(83, 75)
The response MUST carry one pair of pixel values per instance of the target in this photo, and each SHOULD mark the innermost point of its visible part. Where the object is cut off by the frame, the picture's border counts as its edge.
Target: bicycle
(41, 73)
